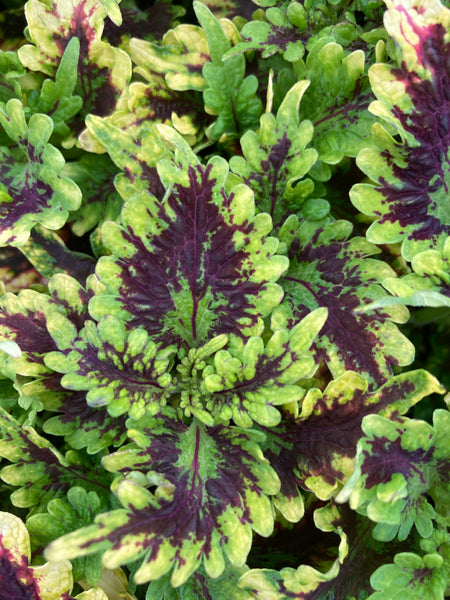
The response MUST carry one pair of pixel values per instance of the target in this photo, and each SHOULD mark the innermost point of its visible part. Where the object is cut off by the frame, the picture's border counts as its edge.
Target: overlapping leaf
(428, 285)
(287, 27)
(327, 269)
(397, 465)
(229, 94)
(206, 253)
(103, 71)
(410, 199)
(316, 449)
(337, 101)
(39, 470)
(63, 516)
(211, 491)
(359, 555)
(55, 98)
(276, 162)
(200, 585)
(32, 190)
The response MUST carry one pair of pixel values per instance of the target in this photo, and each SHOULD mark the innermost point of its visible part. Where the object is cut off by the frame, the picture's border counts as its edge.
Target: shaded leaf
(31, 189)
(229, 94)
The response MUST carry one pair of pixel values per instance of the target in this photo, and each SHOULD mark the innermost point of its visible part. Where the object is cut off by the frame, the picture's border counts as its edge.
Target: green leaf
(55, 98)
(38, 469)
(229, 95)
(31, 189)
(63, 516)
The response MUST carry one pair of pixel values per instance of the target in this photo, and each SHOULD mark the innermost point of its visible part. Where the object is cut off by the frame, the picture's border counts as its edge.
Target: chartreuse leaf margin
(224, 230)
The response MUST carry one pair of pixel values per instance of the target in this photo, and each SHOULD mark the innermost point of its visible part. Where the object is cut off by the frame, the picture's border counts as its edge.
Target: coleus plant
(214, 217)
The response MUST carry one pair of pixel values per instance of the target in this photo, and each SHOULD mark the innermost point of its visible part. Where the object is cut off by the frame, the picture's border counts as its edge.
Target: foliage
(224, 233)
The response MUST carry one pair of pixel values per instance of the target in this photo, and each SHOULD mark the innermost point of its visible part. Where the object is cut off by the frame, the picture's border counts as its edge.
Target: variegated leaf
(211, 491)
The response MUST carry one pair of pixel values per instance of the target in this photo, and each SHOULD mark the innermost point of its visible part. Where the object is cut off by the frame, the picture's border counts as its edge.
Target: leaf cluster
(222, 225)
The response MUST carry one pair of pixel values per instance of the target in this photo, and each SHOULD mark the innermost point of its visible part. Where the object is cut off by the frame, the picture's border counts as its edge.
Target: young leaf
(229, 95)
(206, 252)
(397, 464)
(211, 491)
(327, 269)
(275, 162)
(410, 199)
(31, 189)
(247, 381)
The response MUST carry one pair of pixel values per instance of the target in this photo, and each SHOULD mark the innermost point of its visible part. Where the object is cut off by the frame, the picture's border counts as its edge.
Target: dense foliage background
(224, 317)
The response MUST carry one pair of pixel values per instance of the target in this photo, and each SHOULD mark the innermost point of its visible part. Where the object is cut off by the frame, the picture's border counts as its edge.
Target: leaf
(247, 381)
(124, 371)
(65, 515)
(211, 491)
(103, 71)
(10, 70)
(18, 580)
(135, 156)
(55, 98)
(229, 95)
(38, 469)
(31, 189)
(316, 449)
(200, 585)
(275, 162)
(47, 252)
(337, 101)
(330, 270)
(359, 555)
(410, 574)
(213, 268)
(397, 464)
(429, 285)
(179, 57)
(409, 199)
